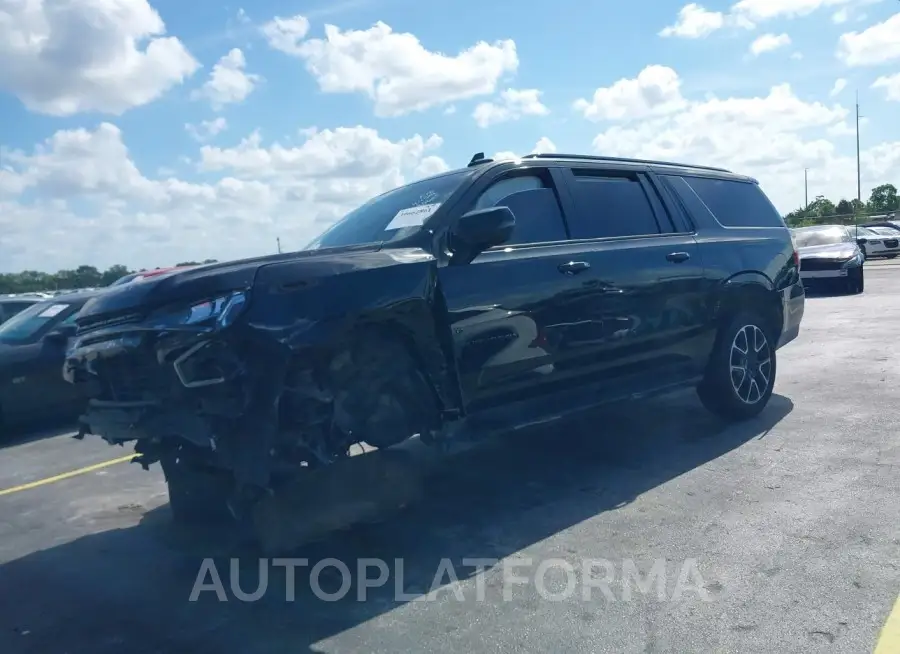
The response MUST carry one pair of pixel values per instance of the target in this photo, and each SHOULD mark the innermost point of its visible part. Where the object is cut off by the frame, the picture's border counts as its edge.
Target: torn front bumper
(149, 385)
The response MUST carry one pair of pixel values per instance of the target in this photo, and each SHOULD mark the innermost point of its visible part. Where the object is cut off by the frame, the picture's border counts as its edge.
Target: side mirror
(61, 334)
(479, 230)
(861, 241)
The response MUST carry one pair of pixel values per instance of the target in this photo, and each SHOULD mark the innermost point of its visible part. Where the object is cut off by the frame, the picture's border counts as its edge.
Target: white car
(875, 244)
(890, 238)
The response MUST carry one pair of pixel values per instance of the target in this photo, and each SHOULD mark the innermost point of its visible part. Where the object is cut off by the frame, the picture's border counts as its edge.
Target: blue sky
(127, 178)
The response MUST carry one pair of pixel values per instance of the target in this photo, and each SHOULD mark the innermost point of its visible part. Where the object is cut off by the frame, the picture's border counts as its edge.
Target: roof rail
(591, 157)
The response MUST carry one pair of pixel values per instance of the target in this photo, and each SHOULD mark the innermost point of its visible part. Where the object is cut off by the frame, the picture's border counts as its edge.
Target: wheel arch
(753, 291)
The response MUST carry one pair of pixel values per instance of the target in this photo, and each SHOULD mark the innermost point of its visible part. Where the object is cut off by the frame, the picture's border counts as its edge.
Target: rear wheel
(740, 374)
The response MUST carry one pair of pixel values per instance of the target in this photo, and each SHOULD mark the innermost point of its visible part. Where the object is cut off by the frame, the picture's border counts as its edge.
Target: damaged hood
(838, 251)
(199, 282)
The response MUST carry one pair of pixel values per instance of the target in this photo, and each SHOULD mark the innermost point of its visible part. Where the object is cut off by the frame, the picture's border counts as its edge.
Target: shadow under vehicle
(479, 301)
(126, 587)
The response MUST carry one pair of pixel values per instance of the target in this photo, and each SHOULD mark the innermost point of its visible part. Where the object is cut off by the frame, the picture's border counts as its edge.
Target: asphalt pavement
(642, 528)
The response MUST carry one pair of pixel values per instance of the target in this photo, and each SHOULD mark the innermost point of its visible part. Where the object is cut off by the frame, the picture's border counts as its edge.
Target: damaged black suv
(479, 300)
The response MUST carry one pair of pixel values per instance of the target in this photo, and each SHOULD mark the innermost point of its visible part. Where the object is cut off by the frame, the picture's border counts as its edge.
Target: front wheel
(196, 496)
(740, 374)
(856, 281)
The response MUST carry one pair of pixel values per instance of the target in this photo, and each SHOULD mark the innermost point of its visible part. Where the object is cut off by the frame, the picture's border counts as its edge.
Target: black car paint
(31, 386)
(522, 333)
(11, 306)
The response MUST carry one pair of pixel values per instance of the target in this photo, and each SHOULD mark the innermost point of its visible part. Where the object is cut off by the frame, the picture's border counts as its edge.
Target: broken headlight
(217, 312)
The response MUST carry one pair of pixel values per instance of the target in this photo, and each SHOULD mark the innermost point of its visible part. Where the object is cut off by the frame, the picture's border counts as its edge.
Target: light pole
(858, 172)
(805, 189)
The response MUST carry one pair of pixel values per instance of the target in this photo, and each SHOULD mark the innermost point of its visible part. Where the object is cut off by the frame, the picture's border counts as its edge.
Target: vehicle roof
(810, 228)
(75, 296)
(663, 167)
(22, 298)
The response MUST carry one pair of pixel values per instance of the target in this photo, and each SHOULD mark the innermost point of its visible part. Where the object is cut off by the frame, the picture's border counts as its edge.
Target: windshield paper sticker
(413, 216)
(53, 310)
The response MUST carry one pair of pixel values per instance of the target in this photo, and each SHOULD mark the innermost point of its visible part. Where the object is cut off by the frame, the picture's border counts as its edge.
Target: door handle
(678, 257)
(573, 267)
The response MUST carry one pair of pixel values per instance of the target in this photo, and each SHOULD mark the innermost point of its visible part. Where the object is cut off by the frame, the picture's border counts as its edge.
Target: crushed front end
(183, 382)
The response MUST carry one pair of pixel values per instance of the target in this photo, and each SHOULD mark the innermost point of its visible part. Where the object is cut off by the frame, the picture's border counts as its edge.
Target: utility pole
(278, 242)
(805, 189)
(858, 172)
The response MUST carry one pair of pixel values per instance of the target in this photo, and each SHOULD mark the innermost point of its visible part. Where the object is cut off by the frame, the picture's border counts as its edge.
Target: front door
(502, 304)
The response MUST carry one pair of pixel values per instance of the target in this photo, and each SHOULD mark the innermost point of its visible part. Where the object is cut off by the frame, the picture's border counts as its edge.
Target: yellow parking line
(889, 640)
(66, 475)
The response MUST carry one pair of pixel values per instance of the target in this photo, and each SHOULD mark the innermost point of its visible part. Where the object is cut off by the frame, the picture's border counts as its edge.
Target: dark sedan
(829, 257)
(33, 346)
(10, 305)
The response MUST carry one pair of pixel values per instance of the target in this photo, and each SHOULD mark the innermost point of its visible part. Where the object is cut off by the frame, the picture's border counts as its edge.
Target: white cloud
(543, 146)
(877, 44)
(841, 16)
(694, 22)
(64, 58)
(656, 90)
(891, 86)
(93, 197)
(398, 73)
(769, 43)
(228, 83)
(513, 104)
(770, 137)
(762, 10)
(207, 128)
(839, 85)
(285, 34)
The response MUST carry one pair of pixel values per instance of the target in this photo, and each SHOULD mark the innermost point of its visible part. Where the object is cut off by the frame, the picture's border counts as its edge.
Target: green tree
(884, 199)
(821, 207)
(844, 208)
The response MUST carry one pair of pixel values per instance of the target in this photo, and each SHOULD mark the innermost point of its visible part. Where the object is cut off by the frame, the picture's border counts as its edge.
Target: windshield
(885, 231)
(27, 325)
(810, 237)
(392, 215)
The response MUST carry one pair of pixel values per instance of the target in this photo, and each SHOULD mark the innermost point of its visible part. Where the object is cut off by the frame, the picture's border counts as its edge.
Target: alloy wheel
(751, 364)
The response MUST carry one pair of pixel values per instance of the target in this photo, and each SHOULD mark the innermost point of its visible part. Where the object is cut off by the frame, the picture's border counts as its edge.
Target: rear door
(645, 315)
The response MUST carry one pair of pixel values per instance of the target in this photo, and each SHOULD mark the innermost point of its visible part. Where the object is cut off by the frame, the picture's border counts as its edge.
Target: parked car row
(833, 256)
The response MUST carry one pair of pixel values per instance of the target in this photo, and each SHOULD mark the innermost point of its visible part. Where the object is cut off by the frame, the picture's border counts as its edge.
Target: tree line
(883, 200)
(30, 281)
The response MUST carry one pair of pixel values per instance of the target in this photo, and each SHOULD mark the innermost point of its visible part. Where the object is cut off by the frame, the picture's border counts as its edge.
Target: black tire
(197, 496)
(719, 389)
(856, 281)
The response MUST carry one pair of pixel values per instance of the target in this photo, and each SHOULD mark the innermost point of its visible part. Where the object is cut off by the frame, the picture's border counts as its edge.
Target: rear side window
(733, 203)
(609, 205)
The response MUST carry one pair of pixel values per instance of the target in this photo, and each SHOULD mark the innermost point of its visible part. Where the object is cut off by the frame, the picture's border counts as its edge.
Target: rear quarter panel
(736, 258)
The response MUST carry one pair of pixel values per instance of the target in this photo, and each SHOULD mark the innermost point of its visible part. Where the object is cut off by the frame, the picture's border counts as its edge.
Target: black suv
(480, 300)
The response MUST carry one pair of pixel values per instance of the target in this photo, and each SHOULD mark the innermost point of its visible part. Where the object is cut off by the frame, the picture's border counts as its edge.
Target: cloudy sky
(146, 133)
